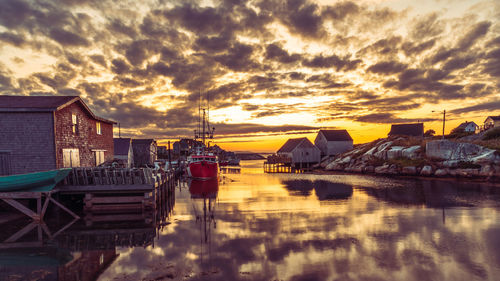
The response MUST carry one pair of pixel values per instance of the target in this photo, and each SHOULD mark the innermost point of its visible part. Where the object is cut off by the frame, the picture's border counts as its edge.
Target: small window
(74, 124)
(98, 128)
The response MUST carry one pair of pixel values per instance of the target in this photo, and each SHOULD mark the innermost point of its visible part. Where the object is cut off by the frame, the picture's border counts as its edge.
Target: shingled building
(48, 132)
(333, 142)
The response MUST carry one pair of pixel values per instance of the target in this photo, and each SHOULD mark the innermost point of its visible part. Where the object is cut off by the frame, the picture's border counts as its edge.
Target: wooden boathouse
(296, 155)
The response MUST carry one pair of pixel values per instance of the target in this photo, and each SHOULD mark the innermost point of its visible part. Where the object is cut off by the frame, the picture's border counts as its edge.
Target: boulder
(426, 170)
(461, 151)
(334, 166)
(487, 171)
(411, 152)
(441, 172)
(450, 163)
(382, 169)
(369, 169)
(395, 152)
(393, 169)
(409, 170)
(467, 173)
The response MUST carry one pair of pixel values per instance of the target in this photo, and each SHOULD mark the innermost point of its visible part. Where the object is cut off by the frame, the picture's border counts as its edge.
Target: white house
(302, 152)
(469, 127)
(333, 142)
(123, 151)
(492, 122)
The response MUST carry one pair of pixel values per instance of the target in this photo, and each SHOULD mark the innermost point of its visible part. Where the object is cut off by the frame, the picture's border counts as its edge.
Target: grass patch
(492, 134)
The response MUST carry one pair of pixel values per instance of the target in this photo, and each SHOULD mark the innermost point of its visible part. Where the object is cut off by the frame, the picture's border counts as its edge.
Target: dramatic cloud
(304, 62)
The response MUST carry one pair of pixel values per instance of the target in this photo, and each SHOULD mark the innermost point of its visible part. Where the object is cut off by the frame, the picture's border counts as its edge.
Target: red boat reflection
(204, 188)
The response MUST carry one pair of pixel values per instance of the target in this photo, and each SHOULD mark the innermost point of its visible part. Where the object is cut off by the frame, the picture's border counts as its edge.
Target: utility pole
(444, 120)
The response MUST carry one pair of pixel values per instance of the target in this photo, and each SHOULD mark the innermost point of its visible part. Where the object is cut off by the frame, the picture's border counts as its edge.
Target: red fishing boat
(202, 164)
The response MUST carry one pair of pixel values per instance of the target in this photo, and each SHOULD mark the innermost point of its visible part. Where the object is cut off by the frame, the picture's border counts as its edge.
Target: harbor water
(258, 226)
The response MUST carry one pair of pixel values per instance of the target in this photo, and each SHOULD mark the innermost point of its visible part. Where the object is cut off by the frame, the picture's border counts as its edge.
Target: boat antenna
(199, 111)
(208, 112)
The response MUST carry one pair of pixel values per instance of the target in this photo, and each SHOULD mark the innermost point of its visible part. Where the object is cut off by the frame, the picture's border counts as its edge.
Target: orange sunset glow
(266, 70)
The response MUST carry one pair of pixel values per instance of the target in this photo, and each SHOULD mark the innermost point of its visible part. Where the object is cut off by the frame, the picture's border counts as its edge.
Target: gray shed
(301, 151)
(124, 151)
(145, 152)
(333, 142)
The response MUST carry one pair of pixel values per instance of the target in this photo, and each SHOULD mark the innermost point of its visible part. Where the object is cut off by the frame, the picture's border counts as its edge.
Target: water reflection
(301, 227)
(324, 190)
(75, 250)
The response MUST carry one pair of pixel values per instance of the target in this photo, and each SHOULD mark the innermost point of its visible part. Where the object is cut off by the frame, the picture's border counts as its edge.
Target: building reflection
(78, 250)
(324, 190)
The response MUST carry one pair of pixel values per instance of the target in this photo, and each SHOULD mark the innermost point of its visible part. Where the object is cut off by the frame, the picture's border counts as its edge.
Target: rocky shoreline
(405, 156)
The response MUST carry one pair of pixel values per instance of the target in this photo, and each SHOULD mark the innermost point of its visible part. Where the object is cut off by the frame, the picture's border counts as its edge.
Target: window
(71, 157)
(98, 128)
(74, 124)
(99, 157)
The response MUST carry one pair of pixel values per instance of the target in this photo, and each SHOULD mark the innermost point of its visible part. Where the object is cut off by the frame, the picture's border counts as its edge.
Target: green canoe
(39, 181)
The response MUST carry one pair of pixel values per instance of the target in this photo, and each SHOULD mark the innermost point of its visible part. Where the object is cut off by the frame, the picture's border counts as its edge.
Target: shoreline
(481, 180)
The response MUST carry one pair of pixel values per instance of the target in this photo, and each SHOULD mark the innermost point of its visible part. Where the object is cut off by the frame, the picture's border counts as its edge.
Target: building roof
(291, 144)
(122, 146)
(415, 129)
(494, 118)
(143, 141)
(43, 104)
(465, 124)
(336, 135)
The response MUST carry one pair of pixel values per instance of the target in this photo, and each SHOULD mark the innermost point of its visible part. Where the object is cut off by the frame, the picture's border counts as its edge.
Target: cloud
(387, 67)
(389, 118)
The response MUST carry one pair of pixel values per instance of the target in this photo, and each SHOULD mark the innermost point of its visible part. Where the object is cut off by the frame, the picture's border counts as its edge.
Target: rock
(426, 170)
(409, 170)
(345, 160)
(334, 166)
(394, 152)
(411, 152)
(441, 172)
(467, 173)
(461, 151)
(487, 171)
(450, 163)
(357, 169)
(393, 169)
(384, 146)
(369, 169)
(382, 169)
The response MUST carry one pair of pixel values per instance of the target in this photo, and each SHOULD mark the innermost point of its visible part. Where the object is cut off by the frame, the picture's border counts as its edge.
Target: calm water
(256, 226)
(323, 227)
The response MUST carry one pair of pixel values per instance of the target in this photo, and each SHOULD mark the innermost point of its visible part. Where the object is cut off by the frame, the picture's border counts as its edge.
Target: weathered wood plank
(117, 217)
(116, 207)
(20, 195)
(22, 208)
(116, 199)
(25, 230)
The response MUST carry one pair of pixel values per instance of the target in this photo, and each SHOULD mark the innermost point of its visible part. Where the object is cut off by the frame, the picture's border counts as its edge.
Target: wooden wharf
(282, 164)
(119, 189)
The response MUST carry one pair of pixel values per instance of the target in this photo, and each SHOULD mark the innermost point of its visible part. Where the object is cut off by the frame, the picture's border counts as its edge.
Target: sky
(267, 70)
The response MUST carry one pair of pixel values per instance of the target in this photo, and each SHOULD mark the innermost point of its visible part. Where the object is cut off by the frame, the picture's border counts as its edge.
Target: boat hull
(39, 181)
(203, 170)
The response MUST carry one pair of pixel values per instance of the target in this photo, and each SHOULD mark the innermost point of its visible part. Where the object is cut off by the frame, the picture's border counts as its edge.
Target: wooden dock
(118, 190)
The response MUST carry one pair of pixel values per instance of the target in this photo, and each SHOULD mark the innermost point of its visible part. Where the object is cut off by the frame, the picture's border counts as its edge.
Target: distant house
(40, 133)
(411, 130)
(302, 151)
(492, 122)
(162, 152)
(145, 152)
(333, 142)
(469, 127)
(124, 151)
